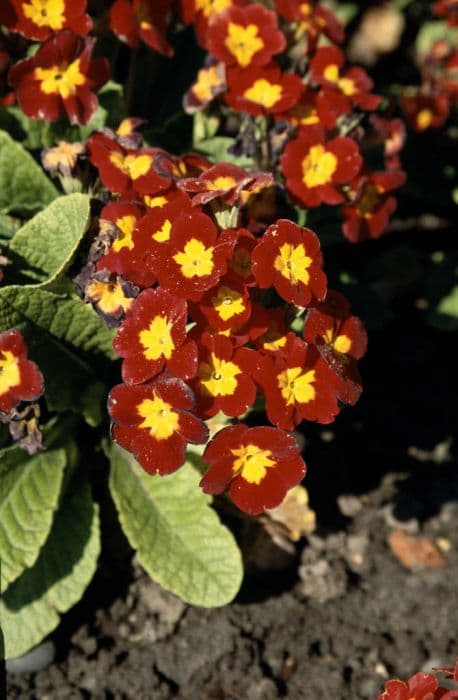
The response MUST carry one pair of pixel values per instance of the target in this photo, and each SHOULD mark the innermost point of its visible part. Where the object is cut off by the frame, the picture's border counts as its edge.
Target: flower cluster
(203, 309)
(271, 65)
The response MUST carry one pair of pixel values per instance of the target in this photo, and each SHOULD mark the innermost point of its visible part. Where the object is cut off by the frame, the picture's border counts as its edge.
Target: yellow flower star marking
(108, 295)
(60, 80)
(243, 42)
(331, 73)
(228, 302)
(157, 339)
(223, 182)
(318, 166)
(195, 260)
(342, 343)
(273, 339)
(9, 371)
(211, 7)
(424, 119)
(45, 13)
(207, 80)
(252, 463)
(296, 386)
(159, 417)
(126, 226)
(153, 202)
(218, 377)
(163, 234)
(132, 166)
(292, 262)
(264, 93)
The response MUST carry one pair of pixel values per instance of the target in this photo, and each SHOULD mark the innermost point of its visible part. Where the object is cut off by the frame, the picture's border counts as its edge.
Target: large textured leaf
(30, 607)
(23, 184)
(29, 494)
(178, 536)
(45, 245)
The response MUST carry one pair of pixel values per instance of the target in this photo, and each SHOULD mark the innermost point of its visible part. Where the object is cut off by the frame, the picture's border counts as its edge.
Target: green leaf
(431, 32)
(47, 243)
(8, 227)
(216, 149)
(30, 607)
(29, 493)
(178, 536)
(23, 184)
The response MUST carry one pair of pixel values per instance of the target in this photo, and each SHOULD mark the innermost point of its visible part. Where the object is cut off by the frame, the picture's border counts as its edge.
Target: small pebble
(35, 660)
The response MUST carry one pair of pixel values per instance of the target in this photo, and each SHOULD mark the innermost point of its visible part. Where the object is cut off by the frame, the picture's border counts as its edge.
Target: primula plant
(166, 321)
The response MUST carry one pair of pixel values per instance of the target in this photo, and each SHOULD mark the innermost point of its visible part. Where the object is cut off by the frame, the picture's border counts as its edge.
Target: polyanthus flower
(313, 18)
(20, 378)
(153, 336)
(111, 295)
(275, 336)
(245, 36)
(424, 110)
(60, 78)
(39, 19)
(314, 168)
(224, 377)
(211, 82)
(288, 257)
(239, 265)
(419, 687)
(225, 305)
(368, 214)
(298, 385)
(447, 9)
(155, 422)
(201, 12)
(257, 465)
(194, 258)
(263, 91)
(223, 181)
(125, 169)
(341, 340)
(146, 20)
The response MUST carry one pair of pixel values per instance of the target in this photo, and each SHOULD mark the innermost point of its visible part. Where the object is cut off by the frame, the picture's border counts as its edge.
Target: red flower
(194, 258)
(447, 9)
(224, 374)
(211, 82)
(298, 385)
(155, 422)
(355, 84)
(124, 169)
(201, 12)
(239, 265)
(424, 110)
(257, 465)
(223, 306)
(40, 19)
(111, 295)
(313, 18)
(20, 378)
(392, 133)
(245, 36)
(224, 181)
(418, 687)
(313, 167)
(368, 214)
(275, 336)
(125, 255)
(288, 257)
(341, 340)
(60, 78)
(146, 20)
(262, 91)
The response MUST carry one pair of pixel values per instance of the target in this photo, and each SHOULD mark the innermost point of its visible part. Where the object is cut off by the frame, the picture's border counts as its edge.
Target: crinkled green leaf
(30, 607)
(29, 494)
(46, 244)
(216, 150)
(23, 184)
(178, 536)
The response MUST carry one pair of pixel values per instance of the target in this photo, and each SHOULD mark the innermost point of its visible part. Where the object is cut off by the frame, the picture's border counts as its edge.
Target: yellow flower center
(264, 93)
(132, 166)
(243, 42)
(195, 260)
(424, 119)
(212, 7)
(224, 182)
(318, 166)
(108, 295)
(228, 302)
(163, 234)
(252, 463)
(341, 343)
(126, 226)
(296, 386)
(45, 13)
(218, 377)
(159, 417)
(331, 73)
(273, 339)
(304, 114)
(61, 80)
(157, 339)
(9, 371)
(292, 262)
(207, 80)
(153, 202)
